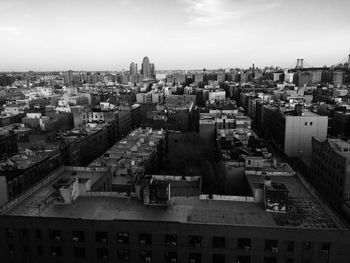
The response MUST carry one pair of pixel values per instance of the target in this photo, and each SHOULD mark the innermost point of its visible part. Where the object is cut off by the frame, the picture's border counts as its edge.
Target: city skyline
(183, 34)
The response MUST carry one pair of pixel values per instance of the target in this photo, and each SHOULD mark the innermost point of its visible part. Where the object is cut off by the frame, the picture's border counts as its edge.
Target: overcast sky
(174, 34)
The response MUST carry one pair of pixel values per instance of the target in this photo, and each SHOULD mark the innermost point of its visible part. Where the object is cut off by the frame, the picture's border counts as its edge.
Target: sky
(45, 35)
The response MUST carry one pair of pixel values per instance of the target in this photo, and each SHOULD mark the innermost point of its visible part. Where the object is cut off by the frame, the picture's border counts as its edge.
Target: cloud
(216, 12)
(10, 29)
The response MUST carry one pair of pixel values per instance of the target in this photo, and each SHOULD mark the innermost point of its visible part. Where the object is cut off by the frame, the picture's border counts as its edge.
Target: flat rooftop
(182, 209)
(305, 211)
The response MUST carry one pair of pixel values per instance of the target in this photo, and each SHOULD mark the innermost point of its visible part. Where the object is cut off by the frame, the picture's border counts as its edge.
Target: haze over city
(183, 34)
(175, 131)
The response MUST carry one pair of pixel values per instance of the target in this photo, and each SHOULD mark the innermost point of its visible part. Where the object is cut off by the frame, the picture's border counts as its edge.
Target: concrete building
(292, 131)
(88, 142)
(129, 159)
(216, 95)
(19, 172)
(338, 77)
(331, 171)
(67, 220)
(198, 78)
(277, 76)
(288, 77)
(8, 145)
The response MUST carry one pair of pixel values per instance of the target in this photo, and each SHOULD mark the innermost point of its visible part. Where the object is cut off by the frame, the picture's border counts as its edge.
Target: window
(145, 239)
(102, 252)
(195, 241)
(24, 232)
(9, 233)
(146, 256)
(195, 258)
(170, 240)
(170, 257)
(290, 246)
(56, 251)
(271, 245)
(305, 123)
(219, 258)
(290, 260)
(11, 249)
(310, 123)
(270, 260)
(243, 259)
(244, 243)
(79, 252)
(123, 254)
(40, 250)
(78, 236)
(101, 237)
(307, 245)
(38, 234)
(325, 248)
(123, 237)
(218, 242)
(55, 235)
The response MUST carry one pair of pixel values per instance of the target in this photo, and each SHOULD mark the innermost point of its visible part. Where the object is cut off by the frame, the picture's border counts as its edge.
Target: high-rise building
(146, 68)
(133, 69)
(68, 78)
(152, 70)
(133, 72)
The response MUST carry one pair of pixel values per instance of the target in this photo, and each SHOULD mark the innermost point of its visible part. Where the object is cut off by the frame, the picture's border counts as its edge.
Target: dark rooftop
(304, 210)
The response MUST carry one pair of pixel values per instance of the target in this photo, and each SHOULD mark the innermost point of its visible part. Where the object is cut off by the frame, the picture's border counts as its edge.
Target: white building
(299, 131)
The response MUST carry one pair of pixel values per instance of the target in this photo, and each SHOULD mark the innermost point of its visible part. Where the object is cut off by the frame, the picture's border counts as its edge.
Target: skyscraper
(146, 69)
(133, 72)
(68, 78)
(152, 69)
(133, 69)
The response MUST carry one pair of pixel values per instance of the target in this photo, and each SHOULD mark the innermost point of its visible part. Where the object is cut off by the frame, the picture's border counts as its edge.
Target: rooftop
(16, 128)
(182, 209)
(304, 211)
(138, 144)
(340, 146)
(14, 165)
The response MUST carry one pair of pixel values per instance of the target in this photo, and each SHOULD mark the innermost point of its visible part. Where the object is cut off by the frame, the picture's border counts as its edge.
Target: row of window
(169, 239)
(146, 255)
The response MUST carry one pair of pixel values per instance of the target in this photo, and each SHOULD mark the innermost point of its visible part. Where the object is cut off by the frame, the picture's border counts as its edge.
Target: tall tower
(152, 70)
(146, 68)
(133, 69)
(68, 78)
